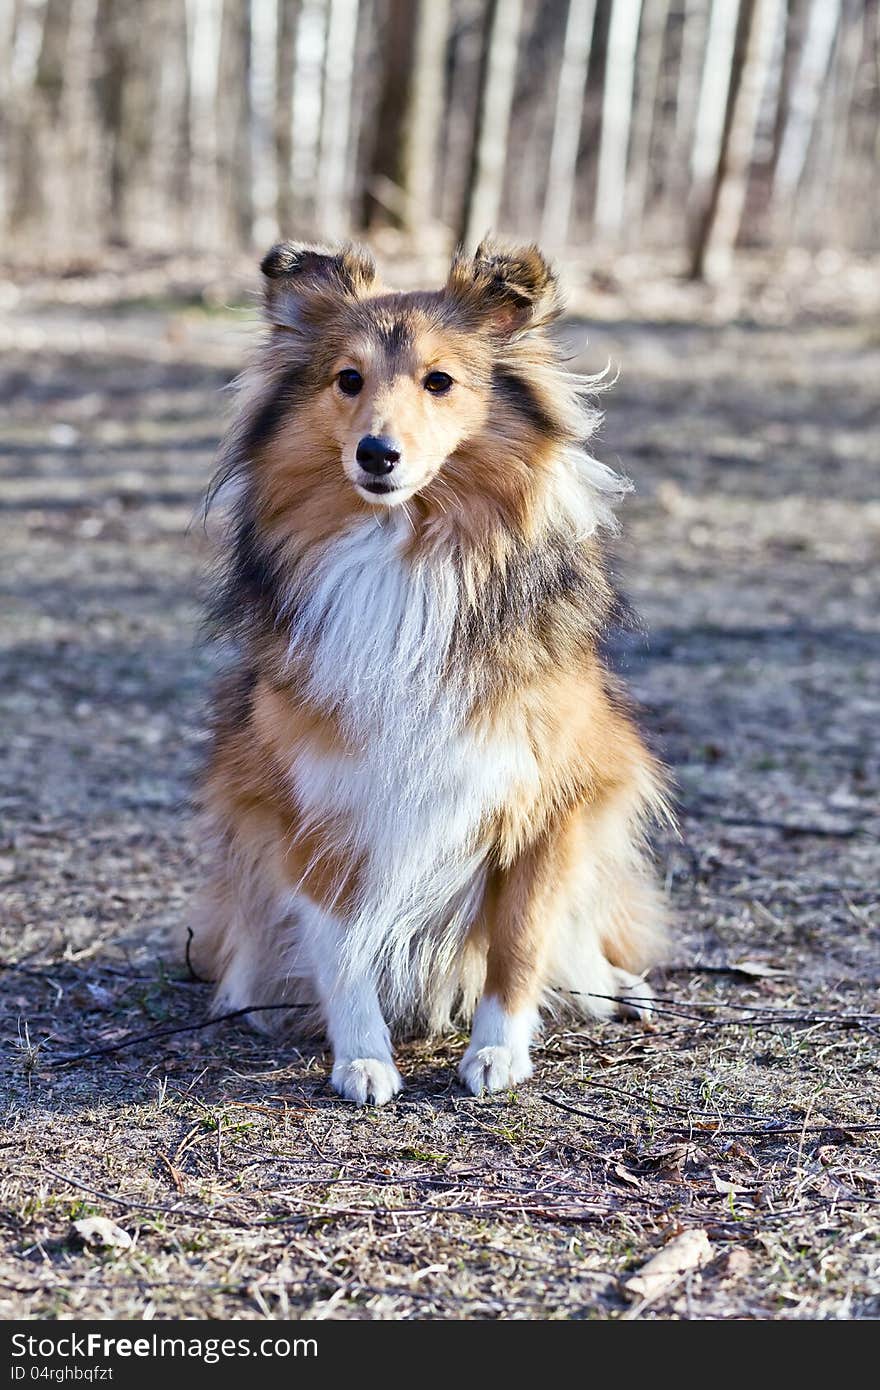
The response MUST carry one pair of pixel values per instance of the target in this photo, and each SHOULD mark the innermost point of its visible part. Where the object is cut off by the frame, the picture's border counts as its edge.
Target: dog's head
(388, 388)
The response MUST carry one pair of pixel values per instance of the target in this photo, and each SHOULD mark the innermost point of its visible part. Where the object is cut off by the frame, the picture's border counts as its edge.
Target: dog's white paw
(636, 997)
(366, 1080)
(493, 1069)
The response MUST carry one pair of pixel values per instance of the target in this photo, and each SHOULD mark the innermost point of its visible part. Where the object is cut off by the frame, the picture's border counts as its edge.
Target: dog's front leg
(363, 1065)
(522, 907)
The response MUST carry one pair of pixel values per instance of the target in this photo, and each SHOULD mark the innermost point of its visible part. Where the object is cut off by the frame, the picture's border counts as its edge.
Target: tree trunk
(263, 100)
(22, 179)
(566, 139)
(233, 119)
(677, 172)
(203, 22)
(80, 206)
(285, 63)
(791, 46)
(714, 100)
(311, 44)
(114, 63)
(650, 57)
(704, 223)
(825, 177)
(805, 97)
(722, 231)
(332, 195)
(460, 120)
(623, 34)
(363, 109)
(423, 121)
(170, 150)
(382, 199)
(485, 184)
(860, 139)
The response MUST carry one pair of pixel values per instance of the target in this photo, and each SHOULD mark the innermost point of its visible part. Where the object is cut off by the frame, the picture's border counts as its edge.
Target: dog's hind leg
(617, 926)
(245, 935)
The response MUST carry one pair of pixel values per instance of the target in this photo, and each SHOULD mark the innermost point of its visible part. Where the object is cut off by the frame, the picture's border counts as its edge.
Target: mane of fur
(411, 632)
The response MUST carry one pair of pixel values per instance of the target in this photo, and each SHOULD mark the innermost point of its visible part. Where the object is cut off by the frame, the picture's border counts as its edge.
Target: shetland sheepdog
(425, 802)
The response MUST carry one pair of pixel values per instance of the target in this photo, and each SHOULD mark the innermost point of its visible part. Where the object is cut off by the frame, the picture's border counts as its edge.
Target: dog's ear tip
(359, 259)
(524, 266)
(296, 271)
(282, 259)
(516, 287)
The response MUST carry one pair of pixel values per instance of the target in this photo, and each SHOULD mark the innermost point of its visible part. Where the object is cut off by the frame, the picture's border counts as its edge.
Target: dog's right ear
(303, 282)
(509, 290)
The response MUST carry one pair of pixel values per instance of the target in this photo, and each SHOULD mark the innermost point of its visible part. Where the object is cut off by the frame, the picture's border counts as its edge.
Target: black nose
(377, 454)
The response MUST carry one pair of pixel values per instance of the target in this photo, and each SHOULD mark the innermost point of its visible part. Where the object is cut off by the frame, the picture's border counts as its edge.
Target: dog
(425, 803)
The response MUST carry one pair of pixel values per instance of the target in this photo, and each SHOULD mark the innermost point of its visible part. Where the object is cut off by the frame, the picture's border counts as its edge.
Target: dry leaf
(738, 1150)
(690, 1250)
(756, 969)
(722, 1185)
(671, 1159)
(101, 1231)
(626, 1176)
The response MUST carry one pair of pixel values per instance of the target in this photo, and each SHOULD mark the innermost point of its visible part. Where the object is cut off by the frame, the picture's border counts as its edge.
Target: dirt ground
(750, 1111)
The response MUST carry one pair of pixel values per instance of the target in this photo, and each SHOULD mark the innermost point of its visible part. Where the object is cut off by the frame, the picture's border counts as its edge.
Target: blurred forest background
(700, 125)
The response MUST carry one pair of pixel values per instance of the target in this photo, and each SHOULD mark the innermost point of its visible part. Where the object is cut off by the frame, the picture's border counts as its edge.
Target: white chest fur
(413, 796)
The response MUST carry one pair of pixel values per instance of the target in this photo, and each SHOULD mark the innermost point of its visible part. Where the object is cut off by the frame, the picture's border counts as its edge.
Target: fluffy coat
(425, 800)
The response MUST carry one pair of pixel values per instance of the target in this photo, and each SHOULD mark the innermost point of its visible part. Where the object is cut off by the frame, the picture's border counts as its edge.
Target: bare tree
(424, 116)
(482, 202)
(712, 123)
(861, 147)
(114, 68)
(332, 193)
(233, 117)
(704, 220)
(80, 206)
(791, 46)
(285, 63)
(718, 65)
(263, 102)
(383, 200)
(650, 58)
(806, 93)
(465, 49)
(724, 211)
(677, 172)
(623, 36)
(31, 34)
(820, 200)
(170, 160)
(308, 83)
(566, 140)
(203, 39)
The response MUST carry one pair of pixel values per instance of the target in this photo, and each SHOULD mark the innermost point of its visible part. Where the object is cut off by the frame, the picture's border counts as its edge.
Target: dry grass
(251, 1190)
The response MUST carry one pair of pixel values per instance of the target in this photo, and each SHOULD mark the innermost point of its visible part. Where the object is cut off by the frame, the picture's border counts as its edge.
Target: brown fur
(482, 474)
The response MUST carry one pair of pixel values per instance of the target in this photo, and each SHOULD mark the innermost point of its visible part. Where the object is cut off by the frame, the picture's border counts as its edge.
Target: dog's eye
(438, 383)
(350, 382)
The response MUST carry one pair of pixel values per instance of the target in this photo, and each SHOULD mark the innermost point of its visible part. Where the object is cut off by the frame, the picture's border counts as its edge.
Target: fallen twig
(700, 1121)
(575, 1110)
(159, 1033)
(761, 1015)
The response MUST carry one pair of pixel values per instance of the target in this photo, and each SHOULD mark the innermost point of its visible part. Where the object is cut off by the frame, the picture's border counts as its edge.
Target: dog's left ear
(303, 281)
(507, 290)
